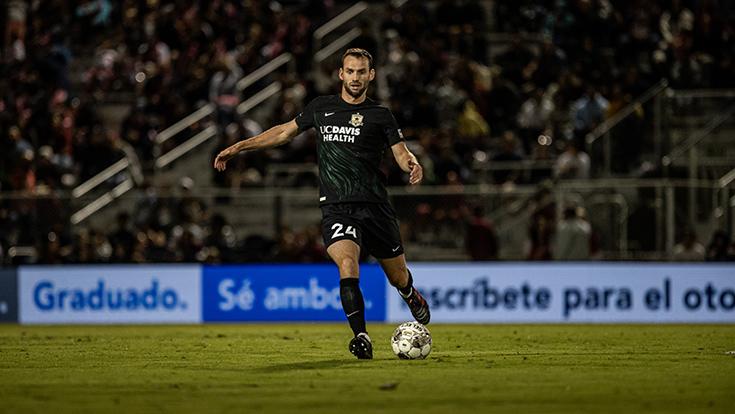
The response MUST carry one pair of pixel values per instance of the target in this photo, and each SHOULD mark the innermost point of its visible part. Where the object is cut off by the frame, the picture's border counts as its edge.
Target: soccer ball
(411, 340)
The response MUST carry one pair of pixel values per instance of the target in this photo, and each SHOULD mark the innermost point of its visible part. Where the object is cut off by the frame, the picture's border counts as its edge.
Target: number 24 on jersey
(337, 227)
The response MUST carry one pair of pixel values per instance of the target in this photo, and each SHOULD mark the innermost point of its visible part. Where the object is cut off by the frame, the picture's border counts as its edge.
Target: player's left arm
(408, 162)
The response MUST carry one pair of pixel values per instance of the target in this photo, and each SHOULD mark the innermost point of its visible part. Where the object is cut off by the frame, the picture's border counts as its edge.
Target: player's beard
(359, 92)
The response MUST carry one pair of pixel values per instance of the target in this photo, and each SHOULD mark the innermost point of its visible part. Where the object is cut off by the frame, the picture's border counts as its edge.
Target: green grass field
(306, 368)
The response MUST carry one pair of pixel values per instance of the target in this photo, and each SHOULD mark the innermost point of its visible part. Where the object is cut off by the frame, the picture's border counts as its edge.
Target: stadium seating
(497, 102)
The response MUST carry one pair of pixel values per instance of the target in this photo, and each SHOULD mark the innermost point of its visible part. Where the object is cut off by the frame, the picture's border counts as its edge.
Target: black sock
(406, 290)
(353, 304)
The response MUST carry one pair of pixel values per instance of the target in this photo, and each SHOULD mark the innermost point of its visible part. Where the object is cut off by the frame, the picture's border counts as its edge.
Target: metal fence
(629, 219)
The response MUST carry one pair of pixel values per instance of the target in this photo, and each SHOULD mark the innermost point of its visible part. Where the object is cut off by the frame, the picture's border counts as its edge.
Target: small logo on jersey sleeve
(400, 133)
(356, 120)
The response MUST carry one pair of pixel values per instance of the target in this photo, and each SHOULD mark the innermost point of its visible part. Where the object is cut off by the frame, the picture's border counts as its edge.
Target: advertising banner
(8, 296)
(110, 294)
(285, 293)
(457, 292)
(579, 292)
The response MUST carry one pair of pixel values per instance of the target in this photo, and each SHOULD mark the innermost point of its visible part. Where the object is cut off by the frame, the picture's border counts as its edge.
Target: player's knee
(348, 266)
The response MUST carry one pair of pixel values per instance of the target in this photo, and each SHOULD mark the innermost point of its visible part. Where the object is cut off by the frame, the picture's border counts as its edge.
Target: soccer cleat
(361, 346)
(418, 306)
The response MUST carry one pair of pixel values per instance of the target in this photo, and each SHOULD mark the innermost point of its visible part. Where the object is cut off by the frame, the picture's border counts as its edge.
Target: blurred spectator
(223, 90)
(122, 239)
(462, 23)
(572, 236)
(541, 226)
(550, 62)
(421, 229)
(481, 241)
(505, 100)
(628, 135)
(222, 237)
(719, 248)
(140, 130)
(470, 123)
(534, 117)
(15, 31)
(313, 250)
(572, 163)
(588, 112)
(689, 249)
(509, 152)
(515, 61)
(512, 243)
(287, 249)
(543, 155)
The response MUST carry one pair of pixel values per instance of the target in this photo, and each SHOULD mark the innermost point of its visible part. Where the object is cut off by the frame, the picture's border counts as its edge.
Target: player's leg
(399, 276)
(383, 239)
(345, 254)
(342, 238)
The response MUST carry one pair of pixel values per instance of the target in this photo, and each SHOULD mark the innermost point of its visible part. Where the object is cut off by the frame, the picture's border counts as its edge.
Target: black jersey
(351, 141)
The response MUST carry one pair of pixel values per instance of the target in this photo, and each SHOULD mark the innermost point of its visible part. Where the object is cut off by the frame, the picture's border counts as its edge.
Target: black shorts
(373, 226)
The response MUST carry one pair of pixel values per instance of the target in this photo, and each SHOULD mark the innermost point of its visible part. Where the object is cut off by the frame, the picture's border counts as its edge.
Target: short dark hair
(358, 53)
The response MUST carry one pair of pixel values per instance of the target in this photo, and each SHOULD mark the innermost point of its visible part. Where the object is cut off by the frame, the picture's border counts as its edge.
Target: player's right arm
(278, 135)
(408, 162)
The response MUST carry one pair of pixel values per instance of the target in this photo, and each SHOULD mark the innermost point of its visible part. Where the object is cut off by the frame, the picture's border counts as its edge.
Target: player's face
(356, 75)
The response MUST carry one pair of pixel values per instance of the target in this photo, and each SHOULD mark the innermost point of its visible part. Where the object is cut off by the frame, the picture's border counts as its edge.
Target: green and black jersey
(351, 141)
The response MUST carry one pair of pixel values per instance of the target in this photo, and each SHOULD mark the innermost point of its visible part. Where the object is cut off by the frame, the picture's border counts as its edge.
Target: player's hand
(220, 163)
(416, 174)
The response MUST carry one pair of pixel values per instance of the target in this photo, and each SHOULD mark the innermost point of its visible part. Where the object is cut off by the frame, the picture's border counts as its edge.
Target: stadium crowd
(163, 57)
(466, 101)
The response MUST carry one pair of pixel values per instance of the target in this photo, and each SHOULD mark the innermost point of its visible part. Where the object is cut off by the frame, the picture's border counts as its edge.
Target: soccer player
(353, 132)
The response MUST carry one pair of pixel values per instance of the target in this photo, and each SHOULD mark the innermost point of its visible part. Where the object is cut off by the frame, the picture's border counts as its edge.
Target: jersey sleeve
(305, 119)
(391, 130)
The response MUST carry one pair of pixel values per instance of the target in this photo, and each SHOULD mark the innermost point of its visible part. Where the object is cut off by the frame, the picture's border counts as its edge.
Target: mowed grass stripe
(307, 368)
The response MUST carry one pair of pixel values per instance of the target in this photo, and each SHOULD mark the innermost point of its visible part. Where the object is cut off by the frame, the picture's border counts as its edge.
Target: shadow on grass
(309, 365)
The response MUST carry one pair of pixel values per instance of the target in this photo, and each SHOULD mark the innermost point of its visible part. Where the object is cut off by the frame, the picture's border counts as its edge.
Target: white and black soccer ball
(411, 340)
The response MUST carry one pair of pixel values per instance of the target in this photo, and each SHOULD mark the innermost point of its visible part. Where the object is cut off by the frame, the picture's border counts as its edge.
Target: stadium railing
(165, 157)
(243, 84)
(700, 137)
(603, 132)
(337, 22)
(525, 169)
(726, 201)
(128, 173)
(632, 219)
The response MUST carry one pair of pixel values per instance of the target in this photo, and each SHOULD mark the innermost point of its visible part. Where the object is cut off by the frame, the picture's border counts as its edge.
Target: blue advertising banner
(8, 296)
(588, 292)
(457, 292)
(109, 294)
(285, 293)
